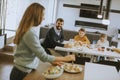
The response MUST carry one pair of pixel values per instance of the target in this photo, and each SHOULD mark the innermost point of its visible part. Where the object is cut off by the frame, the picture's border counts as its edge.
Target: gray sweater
(29, 51)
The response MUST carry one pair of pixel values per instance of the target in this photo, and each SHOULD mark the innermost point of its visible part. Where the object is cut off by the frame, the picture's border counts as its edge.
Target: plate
(53, 72)
(72, 68)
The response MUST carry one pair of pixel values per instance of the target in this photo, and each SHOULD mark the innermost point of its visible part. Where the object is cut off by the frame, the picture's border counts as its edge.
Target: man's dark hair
(59, 19)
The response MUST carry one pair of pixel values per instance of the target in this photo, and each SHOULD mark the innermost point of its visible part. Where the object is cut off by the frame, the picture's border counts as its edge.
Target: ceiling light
(100, 9)
(99, 16)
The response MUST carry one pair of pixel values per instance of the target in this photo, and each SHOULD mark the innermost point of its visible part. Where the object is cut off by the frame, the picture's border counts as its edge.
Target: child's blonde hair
(103, 36)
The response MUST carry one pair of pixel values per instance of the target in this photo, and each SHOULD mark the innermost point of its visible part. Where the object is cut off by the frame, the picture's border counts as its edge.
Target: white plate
(52, 76)
(68, 67)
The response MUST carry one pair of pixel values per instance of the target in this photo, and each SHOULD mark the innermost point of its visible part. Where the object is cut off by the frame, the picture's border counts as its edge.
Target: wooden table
(37, 75)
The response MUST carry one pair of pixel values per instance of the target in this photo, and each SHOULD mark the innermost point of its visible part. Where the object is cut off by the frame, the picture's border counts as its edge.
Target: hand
(70, 58)
(116, 49)
(77, 43)
(81, 43)
(67, 45)
(59, 63)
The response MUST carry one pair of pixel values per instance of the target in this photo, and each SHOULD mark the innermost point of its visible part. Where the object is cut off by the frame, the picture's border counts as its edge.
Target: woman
(28, 48)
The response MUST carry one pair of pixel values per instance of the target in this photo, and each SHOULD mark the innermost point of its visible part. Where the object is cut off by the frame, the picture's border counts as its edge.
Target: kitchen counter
(37, 74)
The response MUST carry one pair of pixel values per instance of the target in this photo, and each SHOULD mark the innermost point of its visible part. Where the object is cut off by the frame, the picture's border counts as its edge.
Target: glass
(76, 44)
(102, 48)
(93, 44)
(78, 55)
(112, 48)
(71, 42)
(84, 46)
(108, 49)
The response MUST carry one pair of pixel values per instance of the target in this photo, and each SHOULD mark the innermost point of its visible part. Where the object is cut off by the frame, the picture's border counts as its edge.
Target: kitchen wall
(72, 14)
(55, 9)
(16, 8)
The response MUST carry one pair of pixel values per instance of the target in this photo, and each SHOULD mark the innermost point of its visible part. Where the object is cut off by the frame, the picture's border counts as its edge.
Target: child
(102, 43)
(81, 37)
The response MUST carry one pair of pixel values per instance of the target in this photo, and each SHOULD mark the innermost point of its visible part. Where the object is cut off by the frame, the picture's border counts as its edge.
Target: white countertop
(89, 51)
(100, 72)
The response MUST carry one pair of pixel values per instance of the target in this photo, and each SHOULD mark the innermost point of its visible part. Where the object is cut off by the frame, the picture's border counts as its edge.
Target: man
(54, 36)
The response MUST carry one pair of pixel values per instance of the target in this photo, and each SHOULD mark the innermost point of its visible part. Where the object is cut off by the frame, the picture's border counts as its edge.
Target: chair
(82, 60)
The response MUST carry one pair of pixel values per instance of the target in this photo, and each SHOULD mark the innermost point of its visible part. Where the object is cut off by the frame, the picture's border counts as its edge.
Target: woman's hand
(59, 63)
(70, 58)
(60, 60)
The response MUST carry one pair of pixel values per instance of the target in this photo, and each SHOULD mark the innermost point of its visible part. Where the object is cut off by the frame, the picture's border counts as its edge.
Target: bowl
(72, 68)
(53, 72)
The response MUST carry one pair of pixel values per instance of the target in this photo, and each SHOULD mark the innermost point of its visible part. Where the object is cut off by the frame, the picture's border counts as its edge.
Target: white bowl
(67, 69)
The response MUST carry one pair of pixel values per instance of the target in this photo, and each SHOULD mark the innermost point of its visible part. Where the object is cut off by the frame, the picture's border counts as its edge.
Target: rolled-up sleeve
(33, 43)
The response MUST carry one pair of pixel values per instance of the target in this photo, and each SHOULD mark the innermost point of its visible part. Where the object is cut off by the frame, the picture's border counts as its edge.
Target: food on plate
(53, 70)
(73, 68)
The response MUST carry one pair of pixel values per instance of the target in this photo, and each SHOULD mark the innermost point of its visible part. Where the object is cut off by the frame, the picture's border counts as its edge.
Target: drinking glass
(84, 46)
(93, 43)
(71, 42)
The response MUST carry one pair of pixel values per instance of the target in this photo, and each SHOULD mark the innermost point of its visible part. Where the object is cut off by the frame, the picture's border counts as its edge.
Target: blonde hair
(103, 36)
(32, 17)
